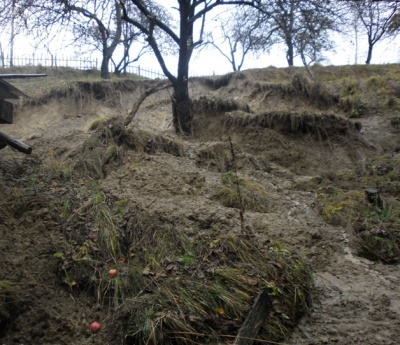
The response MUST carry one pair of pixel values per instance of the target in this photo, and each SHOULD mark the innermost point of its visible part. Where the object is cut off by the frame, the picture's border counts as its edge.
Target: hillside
(270, 188)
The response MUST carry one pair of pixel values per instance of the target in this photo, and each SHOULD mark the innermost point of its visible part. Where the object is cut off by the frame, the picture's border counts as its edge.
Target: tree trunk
(182, 108)
(289, 54)
(12, 34)
(251, 326)
(369, 56)
(104, 72)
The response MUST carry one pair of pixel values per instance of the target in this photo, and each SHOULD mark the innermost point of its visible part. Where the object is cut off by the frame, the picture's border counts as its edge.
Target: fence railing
(83, 64)
(143, 72)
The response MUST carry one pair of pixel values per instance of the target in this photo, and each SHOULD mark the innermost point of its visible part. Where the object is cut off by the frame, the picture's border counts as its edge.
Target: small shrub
(242, 193)
(379, 247)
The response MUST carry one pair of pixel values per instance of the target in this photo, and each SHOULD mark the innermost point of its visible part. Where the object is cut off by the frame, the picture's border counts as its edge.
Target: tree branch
(158, 87)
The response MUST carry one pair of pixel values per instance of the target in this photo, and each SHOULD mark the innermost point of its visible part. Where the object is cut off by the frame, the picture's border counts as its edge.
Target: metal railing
(82, 64)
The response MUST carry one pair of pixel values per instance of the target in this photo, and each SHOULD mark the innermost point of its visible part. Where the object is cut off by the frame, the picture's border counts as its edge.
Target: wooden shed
(8, 94)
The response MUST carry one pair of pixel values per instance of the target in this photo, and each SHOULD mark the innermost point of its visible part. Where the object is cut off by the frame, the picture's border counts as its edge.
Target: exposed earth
(312, 156)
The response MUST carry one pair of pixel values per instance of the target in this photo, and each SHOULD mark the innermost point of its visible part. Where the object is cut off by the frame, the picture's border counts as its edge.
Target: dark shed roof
(7, 91)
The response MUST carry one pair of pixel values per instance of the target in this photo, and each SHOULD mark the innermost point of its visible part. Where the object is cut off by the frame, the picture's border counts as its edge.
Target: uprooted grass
(300, 86)
(9, 294)
(174, 290)
(169, 289)
(106, 147)
(240, 192)
(322, 126)
(217, 105)
(376, 227)
(216, 83)
(66, 81)
(203, 296)
(81, 91)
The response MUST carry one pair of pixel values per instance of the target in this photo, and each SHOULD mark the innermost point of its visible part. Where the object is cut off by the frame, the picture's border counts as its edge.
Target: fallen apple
(95, 327)
(112, 272)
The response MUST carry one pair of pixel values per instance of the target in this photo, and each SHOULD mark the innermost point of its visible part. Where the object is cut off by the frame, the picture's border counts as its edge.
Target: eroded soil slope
(300, 164)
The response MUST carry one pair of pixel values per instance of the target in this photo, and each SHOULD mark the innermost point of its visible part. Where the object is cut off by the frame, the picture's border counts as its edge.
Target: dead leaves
(148, 271)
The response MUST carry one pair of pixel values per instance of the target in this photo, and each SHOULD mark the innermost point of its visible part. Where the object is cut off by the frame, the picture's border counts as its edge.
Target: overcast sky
(209, 61)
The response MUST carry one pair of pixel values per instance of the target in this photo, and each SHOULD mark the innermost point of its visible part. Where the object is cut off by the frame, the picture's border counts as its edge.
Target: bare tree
(93, 23)
(12, 22)
(376, 17)
(98, 23)
(303, 25)
(244, 32)
(313, 39)
(394, 25)
(129, 37)
(190, 12)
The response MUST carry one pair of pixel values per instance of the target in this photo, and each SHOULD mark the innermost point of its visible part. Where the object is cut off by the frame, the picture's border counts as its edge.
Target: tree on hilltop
(378, 19)
(244, 32)
(303, 26)
(93, 23)
(184, 39)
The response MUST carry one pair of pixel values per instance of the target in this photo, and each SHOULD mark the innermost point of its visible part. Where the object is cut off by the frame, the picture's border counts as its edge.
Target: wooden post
(373, 197)
(6, 112)
(260, 310)
(14, 143)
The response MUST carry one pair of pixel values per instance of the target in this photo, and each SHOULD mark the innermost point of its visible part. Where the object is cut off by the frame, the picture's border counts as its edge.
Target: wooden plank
(6, 112)
(20, 76)
(255, 318)
(9, 91)
(14, 143)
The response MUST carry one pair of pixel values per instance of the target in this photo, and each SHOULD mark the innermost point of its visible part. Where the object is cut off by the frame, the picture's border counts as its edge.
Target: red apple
(113, 272)
(95, 327)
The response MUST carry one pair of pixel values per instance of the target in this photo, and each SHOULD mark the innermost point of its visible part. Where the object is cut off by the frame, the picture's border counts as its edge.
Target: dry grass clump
(353, 89)
(81, 91)
(317, 93)
(105, 149)
(201, 292)
(352, 99)
(215, 156)
(321, 126)
(376, 225)
(10, 301)
(171, 289)
(241, 192)
(382, 173)
(99, 153)
(216, 105)
(300, 86)
(59, 78)
(151, 143)
(395, 122)
(339, 207)
(216, 83)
